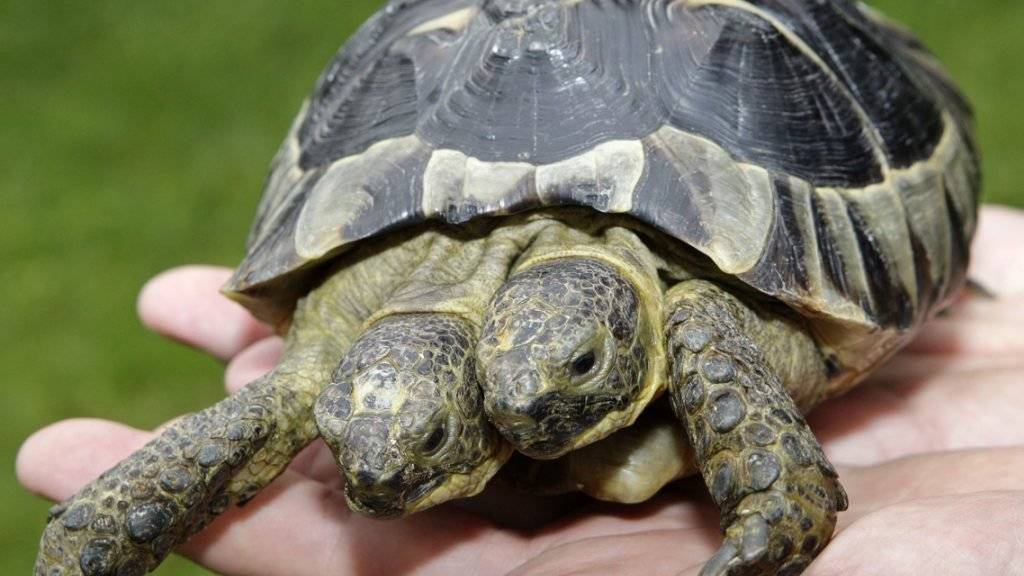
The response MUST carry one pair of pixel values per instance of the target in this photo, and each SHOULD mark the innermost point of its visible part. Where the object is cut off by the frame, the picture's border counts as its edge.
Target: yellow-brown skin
(386, 310)
(128, 520)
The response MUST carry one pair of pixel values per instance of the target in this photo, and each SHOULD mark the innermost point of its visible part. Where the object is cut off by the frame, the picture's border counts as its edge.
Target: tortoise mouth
(388, 498)
(554, 423)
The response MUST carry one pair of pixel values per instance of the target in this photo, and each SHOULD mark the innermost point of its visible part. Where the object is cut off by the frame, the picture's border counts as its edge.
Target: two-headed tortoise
(532, 217)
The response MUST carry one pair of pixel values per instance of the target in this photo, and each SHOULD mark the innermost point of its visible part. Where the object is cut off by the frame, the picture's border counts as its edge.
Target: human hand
(930, 450)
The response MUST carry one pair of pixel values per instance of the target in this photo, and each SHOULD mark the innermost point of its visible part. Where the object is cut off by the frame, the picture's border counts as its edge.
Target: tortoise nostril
(365, 478)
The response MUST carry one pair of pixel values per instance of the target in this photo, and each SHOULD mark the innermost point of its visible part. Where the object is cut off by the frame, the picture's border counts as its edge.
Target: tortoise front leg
(777, 493)
(129, 519)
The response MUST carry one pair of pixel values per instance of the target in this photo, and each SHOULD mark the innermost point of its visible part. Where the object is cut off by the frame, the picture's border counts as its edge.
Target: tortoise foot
(772, 533)
(128, 520)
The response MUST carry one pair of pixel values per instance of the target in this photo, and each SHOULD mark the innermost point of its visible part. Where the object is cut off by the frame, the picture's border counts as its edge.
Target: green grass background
(134, 136)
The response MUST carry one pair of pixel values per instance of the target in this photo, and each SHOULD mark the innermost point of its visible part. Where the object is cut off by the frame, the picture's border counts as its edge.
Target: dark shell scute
(734, 78)
(892, 303)
(900, 110)
(540, 85)
(381, 104)
(368, 91)
(784, 264)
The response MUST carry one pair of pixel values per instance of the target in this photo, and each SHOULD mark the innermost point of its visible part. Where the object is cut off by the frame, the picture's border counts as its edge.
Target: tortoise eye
(435, 440)
(583, 364)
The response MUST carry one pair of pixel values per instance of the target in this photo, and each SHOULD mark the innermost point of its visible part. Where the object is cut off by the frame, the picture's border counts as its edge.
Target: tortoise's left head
(404, 418)
(561, 356)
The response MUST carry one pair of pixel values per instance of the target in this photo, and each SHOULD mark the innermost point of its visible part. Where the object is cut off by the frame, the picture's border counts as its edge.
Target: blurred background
(134, 137)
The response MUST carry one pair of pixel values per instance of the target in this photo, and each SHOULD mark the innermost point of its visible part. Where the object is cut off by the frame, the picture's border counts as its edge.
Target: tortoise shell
(809, 148)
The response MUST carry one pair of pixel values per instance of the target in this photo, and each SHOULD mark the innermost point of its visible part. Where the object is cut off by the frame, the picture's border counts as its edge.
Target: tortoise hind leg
(129, 519)
(777, 493)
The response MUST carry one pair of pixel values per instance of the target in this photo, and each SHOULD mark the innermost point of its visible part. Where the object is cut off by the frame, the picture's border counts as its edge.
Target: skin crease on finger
(954, 390)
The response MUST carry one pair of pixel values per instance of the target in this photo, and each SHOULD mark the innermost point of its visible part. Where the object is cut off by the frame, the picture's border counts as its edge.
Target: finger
(875, 488)
(185, 304)
(303, 528)
(294, 518)
(968, 535)
(61, 458)
(678, 528)
(976, 327)
(252, 362)
(927, 408)
(651, 553)
(998, 263)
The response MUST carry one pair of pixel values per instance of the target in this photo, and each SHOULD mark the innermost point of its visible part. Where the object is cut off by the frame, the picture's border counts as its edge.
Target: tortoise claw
(724, 559)
(744, 549)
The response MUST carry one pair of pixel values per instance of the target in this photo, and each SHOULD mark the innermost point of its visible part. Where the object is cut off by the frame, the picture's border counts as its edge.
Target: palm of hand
(930, 450)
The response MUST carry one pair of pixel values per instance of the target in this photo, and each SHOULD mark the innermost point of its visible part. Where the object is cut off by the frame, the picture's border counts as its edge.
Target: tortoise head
(562, 356)
(404, 417)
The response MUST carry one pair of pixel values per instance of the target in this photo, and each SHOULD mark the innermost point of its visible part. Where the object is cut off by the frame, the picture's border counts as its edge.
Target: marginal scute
(886, 255)
(961, 178)
(458, 187)
(604, 177)
(282, 182)
(734, 201)
(841, 259)
(346, 192)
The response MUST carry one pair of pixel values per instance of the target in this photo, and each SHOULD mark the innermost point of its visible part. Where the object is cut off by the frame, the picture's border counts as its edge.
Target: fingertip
(169, 283)
(57, 460)
(185, 304)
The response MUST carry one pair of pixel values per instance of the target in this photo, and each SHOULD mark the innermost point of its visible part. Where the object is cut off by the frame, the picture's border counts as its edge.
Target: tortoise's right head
(562, 357)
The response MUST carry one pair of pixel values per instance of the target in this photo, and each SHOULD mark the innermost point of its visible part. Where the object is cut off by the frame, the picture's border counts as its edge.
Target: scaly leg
(763, 466)
(128, 520)
(132, 516)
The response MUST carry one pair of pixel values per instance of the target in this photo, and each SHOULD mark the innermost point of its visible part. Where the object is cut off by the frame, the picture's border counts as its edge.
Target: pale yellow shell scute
(345, 193)
(605, 176)
(455, 179)
(452, 22)
(735, 200)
